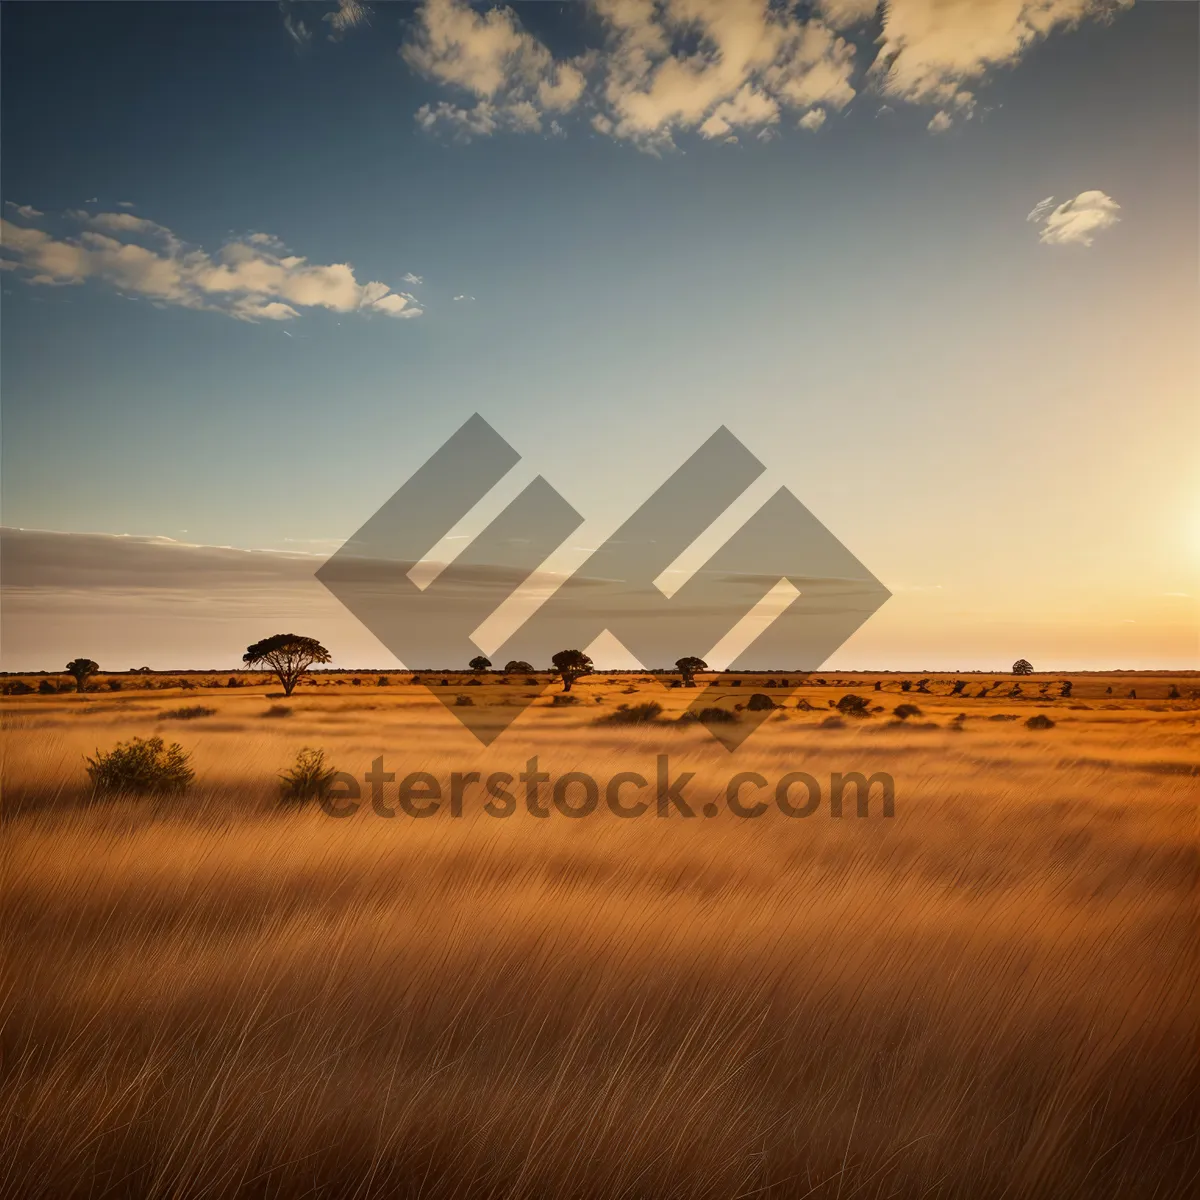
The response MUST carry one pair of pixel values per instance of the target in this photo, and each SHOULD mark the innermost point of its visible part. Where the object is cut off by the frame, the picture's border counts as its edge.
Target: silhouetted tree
(687, 667)
(479, 664)
(1067, 685)
(82, 669)
(571, 665)
(517, 666)
(1022, 667)
(959, 684)
(288, 655)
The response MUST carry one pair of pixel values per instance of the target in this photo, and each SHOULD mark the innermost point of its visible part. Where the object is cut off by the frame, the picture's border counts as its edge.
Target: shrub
(464, 701)
(1039, 721)
(141, 766)
(903, 711)
(561, 698)
(18, 687)
(531, 682)
(278, 710)
(633, 714)
(46, 688)
(308, 778)
(473, 683)
(759, 702)
(710, 716)
(383, 681)
(114, 685)
(853, 706)
(233, 682)
(186, 714)
(832, 723)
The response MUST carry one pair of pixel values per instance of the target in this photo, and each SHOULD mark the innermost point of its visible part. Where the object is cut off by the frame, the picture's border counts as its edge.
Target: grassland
(990, 995)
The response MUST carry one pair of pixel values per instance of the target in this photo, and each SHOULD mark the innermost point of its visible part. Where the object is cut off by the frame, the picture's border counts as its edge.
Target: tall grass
(987, 996)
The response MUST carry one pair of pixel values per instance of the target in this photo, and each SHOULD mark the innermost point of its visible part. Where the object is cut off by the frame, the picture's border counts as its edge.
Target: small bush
(308, 778)
(1040, 721)
(383, 681)
(561, 698)
(186, 714)
(853, 706)
(473, 683)
(832, 723)
(710, 716)
(141, 766)
(1003, 717)
(464, 702)
(233, 682)
(278, 710)
(46, 688)
(633, 714)
(903, 711)
(114, 685)
(18, 687)
(531, 682)
(759, 702)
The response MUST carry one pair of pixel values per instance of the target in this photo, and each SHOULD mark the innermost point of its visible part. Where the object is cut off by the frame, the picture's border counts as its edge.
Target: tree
(517, 666)
(83, 669)
(479, 664)
(571, 665)
(687, 667)
(288, 655)
(1022, 667)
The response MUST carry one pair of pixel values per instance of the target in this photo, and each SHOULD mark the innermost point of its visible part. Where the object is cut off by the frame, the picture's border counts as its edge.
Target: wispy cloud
(940, 122)
(24, 210)
(1075, 221)
(348, 15)
(252, 278)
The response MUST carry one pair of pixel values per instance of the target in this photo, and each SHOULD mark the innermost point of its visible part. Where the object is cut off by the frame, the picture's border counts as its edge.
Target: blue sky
(997, 415)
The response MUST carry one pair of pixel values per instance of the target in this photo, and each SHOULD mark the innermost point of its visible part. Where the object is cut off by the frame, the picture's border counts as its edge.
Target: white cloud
(348, 15)
(511, 76)
(661, 68)
(1040, 209)
(409, 277)
(251, 279)
(126, 204)
(940, 122)
(294, 23)
(1076, 221)
(813, 119)
(931, 49)
(25, 210)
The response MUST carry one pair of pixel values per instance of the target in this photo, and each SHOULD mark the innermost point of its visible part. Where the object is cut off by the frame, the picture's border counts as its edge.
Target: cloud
(460, 297)
(252, 279)
(294, 23)
(813, 119)
(348, 15)
(25, 210)
(930, 50)
(719, 68)
(410, 278)
(940, 122)
(1075, 221)
(512, 78)
(126, 204)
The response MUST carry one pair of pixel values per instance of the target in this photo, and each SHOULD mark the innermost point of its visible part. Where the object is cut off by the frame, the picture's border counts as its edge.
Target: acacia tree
(687, 667)
(1022, 667)
(517, 666)
(83, 669)
(571, 665)
(479, 664)
(288, 655)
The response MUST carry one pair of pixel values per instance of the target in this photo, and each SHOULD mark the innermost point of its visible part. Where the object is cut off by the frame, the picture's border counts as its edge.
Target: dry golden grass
(990, 995)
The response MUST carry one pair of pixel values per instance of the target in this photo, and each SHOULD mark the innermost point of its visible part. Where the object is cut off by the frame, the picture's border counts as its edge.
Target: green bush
(308, 778)
(141, 766)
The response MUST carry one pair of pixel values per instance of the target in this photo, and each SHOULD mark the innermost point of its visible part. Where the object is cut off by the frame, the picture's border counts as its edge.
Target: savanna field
(990, 994)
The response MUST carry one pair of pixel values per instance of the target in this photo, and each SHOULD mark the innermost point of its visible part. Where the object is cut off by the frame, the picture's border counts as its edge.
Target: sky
(935, 267)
